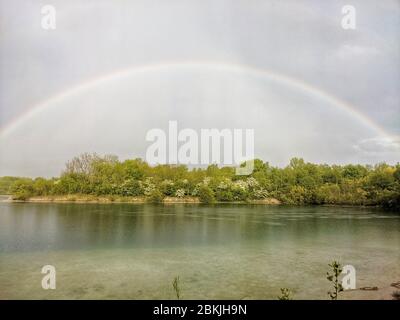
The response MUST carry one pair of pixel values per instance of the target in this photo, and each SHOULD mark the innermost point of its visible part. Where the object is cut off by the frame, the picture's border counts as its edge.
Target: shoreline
(82, 199)
(137, 200)
(384, 292)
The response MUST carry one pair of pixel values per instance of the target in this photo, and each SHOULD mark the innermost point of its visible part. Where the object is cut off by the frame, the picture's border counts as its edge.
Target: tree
(206, 195)
(298, 183)
(354, 171)
(156, 196)
(22, 189)
(396, 174)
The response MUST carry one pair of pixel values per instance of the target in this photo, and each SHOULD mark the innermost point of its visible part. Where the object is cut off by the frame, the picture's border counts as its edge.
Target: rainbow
(279, 78)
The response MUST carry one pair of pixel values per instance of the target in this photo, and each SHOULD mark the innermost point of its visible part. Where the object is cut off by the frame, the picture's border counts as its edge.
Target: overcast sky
(181, 43)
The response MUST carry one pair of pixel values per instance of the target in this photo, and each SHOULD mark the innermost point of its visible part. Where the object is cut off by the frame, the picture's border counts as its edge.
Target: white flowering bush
(180, 193)
(260, 194)
(225, 184)
(252, 183)
(130, 187)
(206, 181)
(240, 190)
(168, 187)
(240, 184)
(148, 186)
(195, 191)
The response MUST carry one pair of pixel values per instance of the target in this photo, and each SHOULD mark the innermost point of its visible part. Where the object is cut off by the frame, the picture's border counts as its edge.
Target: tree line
(298, 183)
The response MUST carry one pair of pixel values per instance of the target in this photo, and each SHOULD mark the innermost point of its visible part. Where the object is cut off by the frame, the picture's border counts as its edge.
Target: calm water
(131, 251)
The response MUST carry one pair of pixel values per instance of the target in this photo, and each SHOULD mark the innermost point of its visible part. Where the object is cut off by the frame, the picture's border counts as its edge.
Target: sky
(113, 70)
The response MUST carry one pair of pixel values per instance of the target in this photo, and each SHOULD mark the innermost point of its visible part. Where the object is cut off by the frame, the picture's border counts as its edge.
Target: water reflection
(130, 251)
(28, 226)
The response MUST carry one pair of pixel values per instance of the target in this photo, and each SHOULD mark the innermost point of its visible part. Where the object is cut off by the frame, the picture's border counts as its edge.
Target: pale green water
(128, 251)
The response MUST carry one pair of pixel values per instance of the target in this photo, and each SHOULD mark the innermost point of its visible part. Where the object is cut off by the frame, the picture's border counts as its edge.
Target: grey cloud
(302, 39)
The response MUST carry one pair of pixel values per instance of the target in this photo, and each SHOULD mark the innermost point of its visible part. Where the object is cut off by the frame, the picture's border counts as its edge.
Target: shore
(117, 199)
(384, 292)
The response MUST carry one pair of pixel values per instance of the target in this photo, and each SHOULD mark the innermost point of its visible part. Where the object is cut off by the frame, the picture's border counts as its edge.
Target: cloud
(348, 51)
(115, 116)
(379, 145)
(301, 39)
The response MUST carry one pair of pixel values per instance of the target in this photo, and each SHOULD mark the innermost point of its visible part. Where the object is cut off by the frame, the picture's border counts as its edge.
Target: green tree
(206, 195)
(156, 196)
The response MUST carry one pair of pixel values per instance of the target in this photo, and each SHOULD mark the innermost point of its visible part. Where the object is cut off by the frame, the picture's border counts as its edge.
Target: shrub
(168, 187)
(205, 194)
(391, 200)
(333, 277)
(22, 195)
(22, 189)
(131, 188)
(155, 196)
(224, 195)
(260, 194)
(180, 193)
(328, 194)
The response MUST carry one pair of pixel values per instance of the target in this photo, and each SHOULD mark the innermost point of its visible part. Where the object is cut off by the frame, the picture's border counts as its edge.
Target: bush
(6, 183)
(180, 193)
(298, 183)
(206, 195)
(168, 188)
(328, 194)
(22, 195)
(42, 187)
(391, 201)
(224, 195)
(22, 189)
(260, 194)
(297, 195)
(156, 196)
(131, 188)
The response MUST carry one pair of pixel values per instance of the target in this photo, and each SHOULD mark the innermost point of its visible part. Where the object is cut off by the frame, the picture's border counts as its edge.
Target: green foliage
(7, 182)
(286, 294)
(205, 194)
(354, 171)
(396, 174)
(168, 188)
(333, 276)
(42, 187)
(391, 200)
(224, 195)
(22, 189)
(299, 183)
(155, 196)
(131, 188)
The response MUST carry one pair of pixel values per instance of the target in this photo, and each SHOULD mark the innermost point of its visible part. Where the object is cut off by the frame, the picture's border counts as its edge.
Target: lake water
(134, 251)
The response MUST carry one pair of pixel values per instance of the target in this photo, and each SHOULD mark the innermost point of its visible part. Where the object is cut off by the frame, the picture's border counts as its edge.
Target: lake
(134, 251)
